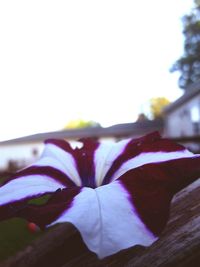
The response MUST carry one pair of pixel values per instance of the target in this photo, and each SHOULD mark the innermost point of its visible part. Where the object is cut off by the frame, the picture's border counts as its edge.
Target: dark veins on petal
(149, 143)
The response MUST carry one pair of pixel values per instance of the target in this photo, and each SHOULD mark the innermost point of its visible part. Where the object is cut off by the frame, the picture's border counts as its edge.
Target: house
(182, 117)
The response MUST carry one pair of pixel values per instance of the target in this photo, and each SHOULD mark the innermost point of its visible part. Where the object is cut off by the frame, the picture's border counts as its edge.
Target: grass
(14, 233)
(14, 236)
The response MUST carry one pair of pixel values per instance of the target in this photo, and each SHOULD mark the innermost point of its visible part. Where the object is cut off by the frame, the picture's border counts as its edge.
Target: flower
(116, 194)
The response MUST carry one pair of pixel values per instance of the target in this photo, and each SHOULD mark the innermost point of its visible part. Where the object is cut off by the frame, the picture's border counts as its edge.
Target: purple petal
(85, 215)
(107, 220)
(45, 214)
(83, 157)
(48, 171)
(152, 186)
(105, 155)
(32, 182)
(58, 153)
(10, 209)
(147, 149)
(121, 227)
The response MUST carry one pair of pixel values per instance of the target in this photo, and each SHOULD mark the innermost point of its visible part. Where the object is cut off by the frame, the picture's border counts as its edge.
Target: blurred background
(103, 69)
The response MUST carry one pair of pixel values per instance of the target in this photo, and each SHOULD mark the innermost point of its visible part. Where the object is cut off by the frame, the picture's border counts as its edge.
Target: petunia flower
(116, 194)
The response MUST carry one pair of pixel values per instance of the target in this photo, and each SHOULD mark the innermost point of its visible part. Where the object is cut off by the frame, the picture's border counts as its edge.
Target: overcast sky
(95, 60)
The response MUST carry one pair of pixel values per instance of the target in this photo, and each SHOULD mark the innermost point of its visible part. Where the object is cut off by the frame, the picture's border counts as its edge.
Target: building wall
(185, 120)
(19, 155)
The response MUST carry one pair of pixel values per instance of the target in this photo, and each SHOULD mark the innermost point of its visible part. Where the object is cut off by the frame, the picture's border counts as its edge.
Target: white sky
(95, 60)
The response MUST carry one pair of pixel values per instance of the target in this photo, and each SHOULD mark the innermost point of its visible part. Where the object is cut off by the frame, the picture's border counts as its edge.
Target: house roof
(191, 91)
(118, 130)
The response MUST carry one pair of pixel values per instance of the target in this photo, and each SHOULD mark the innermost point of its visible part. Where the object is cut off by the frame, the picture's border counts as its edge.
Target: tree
(142, 117)
(189, 64)
(157, 105)
(79, 123)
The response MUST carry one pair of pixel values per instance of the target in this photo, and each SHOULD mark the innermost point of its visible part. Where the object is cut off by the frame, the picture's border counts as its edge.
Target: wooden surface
(178, 246)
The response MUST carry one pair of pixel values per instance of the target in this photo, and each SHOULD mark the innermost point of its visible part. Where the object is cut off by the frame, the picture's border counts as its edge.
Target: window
(195, 116)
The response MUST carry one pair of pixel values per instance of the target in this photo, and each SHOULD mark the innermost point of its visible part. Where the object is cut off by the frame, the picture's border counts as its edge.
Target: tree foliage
(189, 64)
(142, 117)
(157, 105)
(79, 123)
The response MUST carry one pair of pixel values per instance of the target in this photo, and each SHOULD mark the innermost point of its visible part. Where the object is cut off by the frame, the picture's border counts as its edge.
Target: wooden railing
(187, 139)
